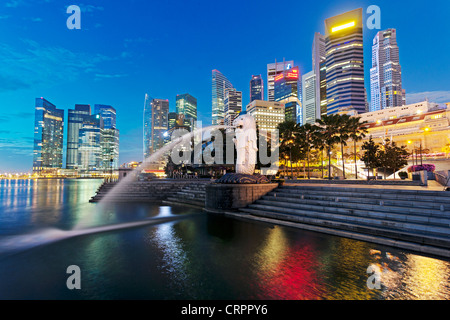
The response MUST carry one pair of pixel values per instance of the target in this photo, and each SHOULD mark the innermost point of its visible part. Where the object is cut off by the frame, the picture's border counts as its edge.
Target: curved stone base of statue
(241, 178)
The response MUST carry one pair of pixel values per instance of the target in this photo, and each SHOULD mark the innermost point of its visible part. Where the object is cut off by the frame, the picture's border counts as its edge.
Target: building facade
(319, 70)
(187, 105)
(256, 88)
(273, 70)
(48, 136)
(108, 114)
(287, 90)
(422, 127)
(156, 123)
(110, 137)
(219, 84)
(268, 114)
(386, 73)
(345, 63)
(311, 105)
(75, 119)
(90, 145)
(232, 105)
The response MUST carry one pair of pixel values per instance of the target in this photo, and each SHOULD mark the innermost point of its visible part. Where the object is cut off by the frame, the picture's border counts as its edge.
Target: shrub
(423, 167)
(402, 174)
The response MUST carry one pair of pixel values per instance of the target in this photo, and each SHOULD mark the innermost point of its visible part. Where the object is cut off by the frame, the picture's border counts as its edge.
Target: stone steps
(356, 206)
(138, 191)
(388, 194)
(364, 200)
(413, 216)
(430, 240)
(193, 195)
(368, 219)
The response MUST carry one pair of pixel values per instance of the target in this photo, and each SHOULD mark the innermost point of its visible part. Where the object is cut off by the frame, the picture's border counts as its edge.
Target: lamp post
(410, 142)
(111, 168)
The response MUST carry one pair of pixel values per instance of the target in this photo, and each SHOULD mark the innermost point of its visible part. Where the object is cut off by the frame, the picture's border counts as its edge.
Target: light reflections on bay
(201, 257)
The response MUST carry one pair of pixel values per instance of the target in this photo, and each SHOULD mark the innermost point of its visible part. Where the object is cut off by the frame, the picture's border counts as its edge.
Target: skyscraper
(287, 90)
(110, 137)
(386, 73)
(108, 115)
(232, 105)
(156, 122)
(311, 106)
(273, 70)
(256, 88)
(48, 136)
(219, 84)
(76, 118)
(345, 62)
(109, 149)
(172, 119)
(90, 144)
(147, 125)
(187, 105)
(319, 69)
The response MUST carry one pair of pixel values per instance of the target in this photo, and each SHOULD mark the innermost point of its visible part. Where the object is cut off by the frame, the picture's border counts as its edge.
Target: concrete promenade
(432, 185)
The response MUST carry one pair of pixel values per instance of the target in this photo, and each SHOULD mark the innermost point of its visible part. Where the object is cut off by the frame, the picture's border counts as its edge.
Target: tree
(392, 156)
(328, 127)
(446, 149)
(371, 155)
(288, 147)
(306, 137)
(343, 133)
(358, 131)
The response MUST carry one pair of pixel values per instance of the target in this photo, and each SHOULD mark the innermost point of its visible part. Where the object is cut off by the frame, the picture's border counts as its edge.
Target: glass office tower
(345, 63)
(108, 115)
(187, 105)
(90, 144)
(273, 70)
(156, 123)
(232, 105)
(48, 136)
(386, 73)
(256, 88)
(311, 106)
(76, 118)
(110, 135)
(219, 84)
(287, 90)
(147, 126)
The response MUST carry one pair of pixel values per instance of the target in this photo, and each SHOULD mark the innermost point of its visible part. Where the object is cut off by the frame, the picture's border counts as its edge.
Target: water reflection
(286, 270)
(201, 257)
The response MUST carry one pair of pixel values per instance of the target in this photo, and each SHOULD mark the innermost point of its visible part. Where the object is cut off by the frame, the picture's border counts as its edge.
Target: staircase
(413, 219)
(192, 194)
(140, 191)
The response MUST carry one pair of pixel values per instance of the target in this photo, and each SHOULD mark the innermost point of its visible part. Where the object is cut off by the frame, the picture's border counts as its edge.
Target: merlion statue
(246, 143)
(246, 147)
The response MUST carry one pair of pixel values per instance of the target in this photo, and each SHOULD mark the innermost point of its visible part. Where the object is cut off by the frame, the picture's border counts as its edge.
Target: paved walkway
(432, 185)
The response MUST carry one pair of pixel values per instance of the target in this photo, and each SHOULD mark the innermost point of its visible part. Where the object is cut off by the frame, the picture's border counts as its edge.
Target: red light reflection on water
(288, 272)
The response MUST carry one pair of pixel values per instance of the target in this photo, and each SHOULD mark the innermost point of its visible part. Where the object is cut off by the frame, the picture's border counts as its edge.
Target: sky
(126, 49)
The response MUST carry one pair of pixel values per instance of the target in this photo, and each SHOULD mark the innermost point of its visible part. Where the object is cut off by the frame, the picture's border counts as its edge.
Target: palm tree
(329, 125)
(287, 132)
(305, 137)
(318, 144)
(358, 131)
(343, 133)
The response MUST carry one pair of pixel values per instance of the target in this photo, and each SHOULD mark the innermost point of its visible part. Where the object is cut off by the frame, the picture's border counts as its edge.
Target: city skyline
(89, 71)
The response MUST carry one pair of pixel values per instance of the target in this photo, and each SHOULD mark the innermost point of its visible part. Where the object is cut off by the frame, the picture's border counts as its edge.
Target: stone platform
(232, 197)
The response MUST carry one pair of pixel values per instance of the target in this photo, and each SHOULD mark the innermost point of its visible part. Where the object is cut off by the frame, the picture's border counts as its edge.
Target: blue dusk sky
(125, 49)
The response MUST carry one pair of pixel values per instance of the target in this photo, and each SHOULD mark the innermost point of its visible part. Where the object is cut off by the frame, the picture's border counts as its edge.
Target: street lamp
(111, 168)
